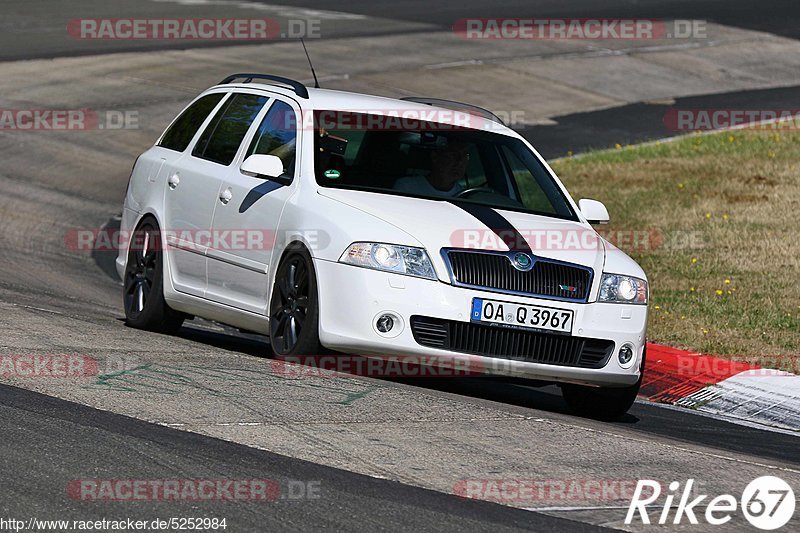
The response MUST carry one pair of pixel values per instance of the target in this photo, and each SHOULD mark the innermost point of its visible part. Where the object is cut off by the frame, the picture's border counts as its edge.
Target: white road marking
(595, 508)
(38, 309)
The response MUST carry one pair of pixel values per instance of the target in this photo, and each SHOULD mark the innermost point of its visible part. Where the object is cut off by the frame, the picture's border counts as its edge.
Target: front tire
(603, 403)
(294, 306)
(143, 285)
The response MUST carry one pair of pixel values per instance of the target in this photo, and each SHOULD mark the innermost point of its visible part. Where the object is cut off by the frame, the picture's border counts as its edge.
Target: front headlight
(622, 289)
(391, 258)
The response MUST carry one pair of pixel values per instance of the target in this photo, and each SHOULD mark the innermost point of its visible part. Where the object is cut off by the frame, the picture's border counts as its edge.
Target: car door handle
(173, 181)
(225, 196)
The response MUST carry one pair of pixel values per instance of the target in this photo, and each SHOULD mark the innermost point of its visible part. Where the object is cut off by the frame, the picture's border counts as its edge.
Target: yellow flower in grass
(719, 292)
(727, 282)
(694, 260)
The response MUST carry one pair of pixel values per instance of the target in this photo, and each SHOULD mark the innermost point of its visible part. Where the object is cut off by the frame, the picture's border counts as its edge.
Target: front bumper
(352, 298)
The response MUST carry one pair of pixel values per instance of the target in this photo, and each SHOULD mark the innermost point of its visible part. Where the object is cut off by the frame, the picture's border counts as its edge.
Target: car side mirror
(594, 212)
(265, 167)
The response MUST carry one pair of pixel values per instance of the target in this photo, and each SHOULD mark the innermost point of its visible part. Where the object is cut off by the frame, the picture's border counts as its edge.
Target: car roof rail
(299, 89)
(455, 106)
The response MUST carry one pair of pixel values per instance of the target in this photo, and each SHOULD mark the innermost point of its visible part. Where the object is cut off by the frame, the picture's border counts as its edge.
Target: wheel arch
(296, 243)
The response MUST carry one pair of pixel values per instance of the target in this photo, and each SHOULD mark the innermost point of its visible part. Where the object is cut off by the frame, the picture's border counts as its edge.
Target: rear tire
(603, 403)
(143, 284)
(294, 306)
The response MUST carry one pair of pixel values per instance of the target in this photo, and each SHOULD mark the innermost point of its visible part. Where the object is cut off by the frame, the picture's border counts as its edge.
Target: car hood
(438, 224)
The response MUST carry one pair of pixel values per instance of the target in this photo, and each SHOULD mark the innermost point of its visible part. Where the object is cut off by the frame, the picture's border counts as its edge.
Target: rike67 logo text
(767, 503)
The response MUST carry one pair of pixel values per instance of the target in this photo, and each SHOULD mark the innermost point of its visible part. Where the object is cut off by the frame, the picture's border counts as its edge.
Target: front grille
(508, 343)
(495, 271)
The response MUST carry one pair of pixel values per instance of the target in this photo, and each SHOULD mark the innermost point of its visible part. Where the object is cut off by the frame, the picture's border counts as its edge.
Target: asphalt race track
(28, 35)
(90, 440)
(208, 403)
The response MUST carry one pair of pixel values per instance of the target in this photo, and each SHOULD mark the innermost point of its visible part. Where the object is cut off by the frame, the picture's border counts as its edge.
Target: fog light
(625, 354)
(385, 323)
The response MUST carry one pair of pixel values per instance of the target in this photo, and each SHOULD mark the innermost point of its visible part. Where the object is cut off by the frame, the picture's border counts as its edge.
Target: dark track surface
(99, 445)
(781, 17)
(640, 122)
(645, 418)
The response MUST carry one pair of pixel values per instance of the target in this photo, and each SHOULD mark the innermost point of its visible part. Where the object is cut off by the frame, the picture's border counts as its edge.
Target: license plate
(521, 315)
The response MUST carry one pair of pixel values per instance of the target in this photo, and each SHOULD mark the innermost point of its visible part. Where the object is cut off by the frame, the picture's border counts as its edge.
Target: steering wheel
(472, 190)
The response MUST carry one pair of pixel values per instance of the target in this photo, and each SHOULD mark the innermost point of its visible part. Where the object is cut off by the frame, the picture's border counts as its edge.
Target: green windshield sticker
(332, 174)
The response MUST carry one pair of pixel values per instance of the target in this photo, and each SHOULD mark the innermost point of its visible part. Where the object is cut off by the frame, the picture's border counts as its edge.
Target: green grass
(722, 212)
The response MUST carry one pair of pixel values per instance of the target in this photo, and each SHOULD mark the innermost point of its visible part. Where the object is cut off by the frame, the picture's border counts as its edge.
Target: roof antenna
(316, 83)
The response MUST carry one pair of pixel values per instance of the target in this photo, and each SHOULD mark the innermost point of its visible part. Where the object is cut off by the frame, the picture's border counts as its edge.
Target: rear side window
(221, 139)
(180, 134)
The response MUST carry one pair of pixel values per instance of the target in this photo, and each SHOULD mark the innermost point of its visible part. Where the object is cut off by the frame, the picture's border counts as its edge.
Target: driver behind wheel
(448, 166)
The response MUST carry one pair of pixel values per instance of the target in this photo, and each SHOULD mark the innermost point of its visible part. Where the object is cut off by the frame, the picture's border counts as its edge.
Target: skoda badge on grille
(522, 262)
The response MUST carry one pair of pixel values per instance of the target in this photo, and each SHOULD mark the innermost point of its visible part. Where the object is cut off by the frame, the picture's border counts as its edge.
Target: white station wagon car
(380, 227)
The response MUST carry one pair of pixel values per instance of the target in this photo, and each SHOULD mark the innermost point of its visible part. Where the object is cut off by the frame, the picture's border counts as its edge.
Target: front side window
(182, 131)
(433, 161)
(221, 139)
(277, 135)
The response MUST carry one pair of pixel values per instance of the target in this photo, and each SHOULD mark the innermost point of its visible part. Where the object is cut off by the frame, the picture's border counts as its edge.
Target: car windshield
(384, 154)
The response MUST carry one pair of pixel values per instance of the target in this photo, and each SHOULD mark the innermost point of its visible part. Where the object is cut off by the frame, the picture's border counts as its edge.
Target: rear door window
(221, 139)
